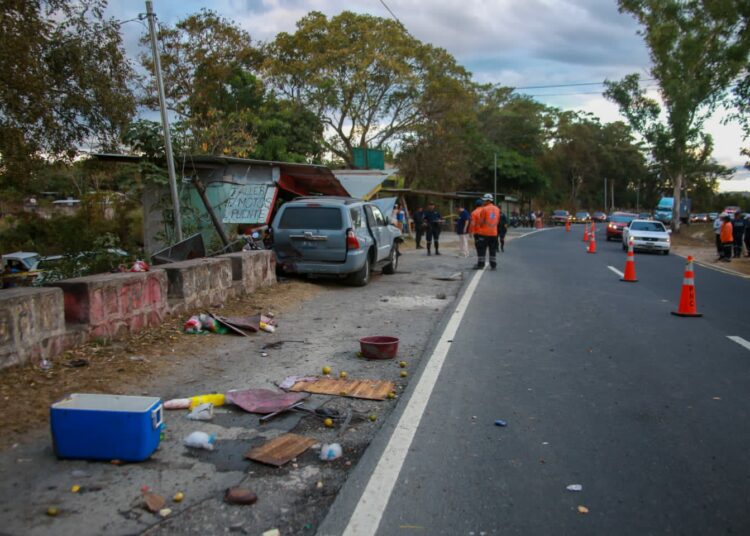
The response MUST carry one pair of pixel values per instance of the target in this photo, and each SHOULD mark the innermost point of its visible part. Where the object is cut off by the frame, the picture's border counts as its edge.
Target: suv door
(311, 232)
(379, 227)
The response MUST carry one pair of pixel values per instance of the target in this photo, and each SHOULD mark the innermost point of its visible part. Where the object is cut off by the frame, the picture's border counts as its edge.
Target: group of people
(486, 223)
(731, 232)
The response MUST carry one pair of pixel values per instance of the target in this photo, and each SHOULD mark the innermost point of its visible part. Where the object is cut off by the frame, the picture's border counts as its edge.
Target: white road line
(615, 270)
(369, 511)
(739, 340)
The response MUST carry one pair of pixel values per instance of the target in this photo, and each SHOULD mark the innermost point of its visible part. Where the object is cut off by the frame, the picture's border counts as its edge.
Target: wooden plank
(280, 450)
(367, 389)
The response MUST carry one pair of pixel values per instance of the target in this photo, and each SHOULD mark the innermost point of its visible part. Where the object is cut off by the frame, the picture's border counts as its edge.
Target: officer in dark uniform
(738, 232)
(432, 220)
(502, 229)
(418, 218)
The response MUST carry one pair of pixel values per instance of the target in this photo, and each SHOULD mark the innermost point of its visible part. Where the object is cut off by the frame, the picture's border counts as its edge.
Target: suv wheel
(361, 277)
(392, 265)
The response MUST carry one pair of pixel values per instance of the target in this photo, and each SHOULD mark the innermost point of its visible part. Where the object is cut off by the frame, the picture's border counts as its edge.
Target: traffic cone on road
(585, 233)
(592, 241)
(687, 296)
(567, 226)
(629, 276)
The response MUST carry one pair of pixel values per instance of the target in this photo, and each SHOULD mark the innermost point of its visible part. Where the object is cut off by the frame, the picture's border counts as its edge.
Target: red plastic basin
(379, 347)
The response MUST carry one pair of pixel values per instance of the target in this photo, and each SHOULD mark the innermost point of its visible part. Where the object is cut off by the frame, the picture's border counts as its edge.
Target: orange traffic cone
(567, 226)
(585, 233)
(592, 242)
(629, 276)
(687, 296)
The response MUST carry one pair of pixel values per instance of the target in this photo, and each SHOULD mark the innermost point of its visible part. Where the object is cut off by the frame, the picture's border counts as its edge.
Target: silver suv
(334, 236)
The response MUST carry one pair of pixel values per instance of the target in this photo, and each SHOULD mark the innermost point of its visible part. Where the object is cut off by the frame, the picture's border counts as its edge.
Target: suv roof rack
(342, 199)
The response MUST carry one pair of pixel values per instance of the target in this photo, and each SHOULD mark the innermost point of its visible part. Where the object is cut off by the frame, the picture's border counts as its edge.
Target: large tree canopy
(364, 76)
(64, 81)
(697, 48)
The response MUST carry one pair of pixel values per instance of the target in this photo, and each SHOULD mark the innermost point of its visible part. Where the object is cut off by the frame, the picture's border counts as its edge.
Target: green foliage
(65, 82)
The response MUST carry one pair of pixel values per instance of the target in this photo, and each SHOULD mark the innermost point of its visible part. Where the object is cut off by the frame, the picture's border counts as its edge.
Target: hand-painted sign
(250, 203)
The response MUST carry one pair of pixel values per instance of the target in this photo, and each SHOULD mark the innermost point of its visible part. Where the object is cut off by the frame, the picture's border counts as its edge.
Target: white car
(647, 235)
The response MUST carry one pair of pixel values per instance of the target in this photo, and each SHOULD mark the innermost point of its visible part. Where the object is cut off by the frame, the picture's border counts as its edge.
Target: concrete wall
(42, 322)
(32, 324)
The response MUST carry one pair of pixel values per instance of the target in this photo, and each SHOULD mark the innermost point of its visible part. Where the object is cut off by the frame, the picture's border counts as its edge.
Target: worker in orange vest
(474, 221)
(727, 239)
(486, 233)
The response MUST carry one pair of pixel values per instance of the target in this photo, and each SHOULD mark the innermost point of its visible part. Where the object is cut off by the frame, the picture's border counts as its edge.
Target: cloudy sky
(519, 43)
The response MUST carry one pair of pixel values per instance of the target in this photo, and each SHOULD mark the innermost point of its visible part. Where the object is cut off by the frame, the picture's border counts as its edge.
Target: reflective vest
(489, 219)
(474, 222)
(726, 233)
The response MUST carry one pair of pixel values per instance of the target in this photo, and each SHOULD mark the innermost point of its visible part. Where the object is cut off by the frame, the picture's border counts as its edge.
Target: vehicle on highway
(647, 235)
(582, 217)
(617, 222)
(560, 217)
(713, 215)
(730, 210)
(335, 236)
(599, 217)
(699, 218)
(645, 216)
(663, 212)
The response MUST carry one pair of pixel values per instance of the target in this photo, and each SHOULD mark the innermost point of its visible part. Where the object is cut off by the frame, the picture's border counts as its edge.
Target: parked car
(730, 210)
(335, 236)
(582, 217)
(645, 216)
(647, 235)
(713, 215)
(699, 218)
(560, 217)
(19, 268)
(617, 222)
(599, 217)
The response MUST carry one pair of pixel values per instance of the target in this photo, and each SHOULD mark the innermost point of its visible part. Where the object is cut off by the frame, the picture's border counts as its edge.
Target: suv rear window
(311, 218)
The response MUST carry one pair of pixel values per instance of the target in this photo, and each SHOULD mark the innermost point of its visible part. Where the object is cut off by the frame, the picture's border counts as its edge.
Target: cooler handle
(157, 417)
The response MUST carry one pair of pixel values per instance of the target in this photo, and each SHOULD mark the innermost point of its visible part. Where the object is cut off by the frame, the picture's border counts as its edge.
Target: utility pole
(612, 206)
(605, 195)
(638, 197)
(495, 196)
(164, 122)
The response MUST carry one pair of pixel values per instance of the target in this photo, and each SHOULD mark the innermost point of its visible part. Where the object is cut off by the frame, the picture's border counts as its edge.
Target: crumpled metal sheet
(263, 401)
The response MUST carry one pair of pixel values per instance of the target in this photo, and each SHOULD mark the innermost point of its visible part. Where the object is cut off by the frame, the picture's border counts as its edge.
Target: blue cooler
(106, 427)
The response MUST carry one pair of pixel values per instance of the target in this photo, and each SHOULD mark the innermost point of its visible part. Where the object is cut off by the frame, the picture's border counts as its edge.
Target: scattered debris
(343, 375)
(52, 511)
(330, 452)
(574, 487)
(263, 401)
(402, 364)
(75, 488)
(319, 484)
(366, 389)
(501, 422)
(200, 440)
(272, 532)
(280, 450)
(326, 370)
(217, 399)
(456, 276)
(265, 418)
(177, 403)
(202, 412)
(289, 381)
(379, 347)
(403, 374)
(241, 496)
(328, 423)
(582, 509)
(264, 354)
(153, 502)
(165, 512)
(178, 497)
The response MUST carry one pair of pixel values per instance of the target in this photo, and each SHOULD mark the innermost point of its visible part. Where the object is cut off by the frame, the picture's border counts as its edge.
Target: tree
(697, 48)
(364, 76)
(65, 82)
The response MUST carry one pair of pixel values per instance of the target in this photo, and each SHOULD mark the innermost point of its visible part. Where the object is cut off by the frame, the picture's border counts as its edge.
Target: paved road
(600, 386)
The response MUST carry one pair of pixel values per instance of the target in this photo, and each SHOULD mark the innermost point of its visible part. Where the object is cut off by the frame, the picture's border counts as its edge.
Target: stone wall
(32, 324)
(252, 270)
(198, 283)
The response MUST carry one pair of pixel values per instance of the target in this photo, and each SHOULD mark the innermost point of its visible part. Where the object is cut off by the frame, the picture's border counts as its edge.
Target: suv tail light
(351, 240)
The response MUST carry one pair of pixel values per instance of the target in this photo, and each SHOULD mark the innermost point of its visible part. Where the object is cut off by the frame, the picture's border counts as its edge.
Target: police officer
(418, 218)
(486, 231)
(502, 228)
(433, 220)
(738, 232)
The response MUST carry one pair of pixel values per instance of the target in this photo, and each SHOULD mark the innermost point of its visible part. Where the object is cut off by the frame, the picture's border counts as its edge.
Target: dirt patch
(699, 241)
(119, 367)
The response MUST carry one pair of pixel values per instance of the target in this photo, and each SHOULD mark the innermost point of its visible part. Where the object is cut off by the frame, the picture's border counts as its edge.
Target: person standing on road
(487, 233)
(718, 222)
(727, 239)
(502, 229)
(462, 230)
(474, 220)
(747, 234)
(418, 219)
(738, 233)
(433, 220)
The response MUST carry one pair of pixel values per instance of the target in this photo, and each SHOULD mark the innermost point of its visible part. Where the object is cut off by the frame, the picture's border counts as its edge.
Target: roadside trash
(243, 324)
(289, 381)
(330, 452)
(45, 364)
(391, 395)
(583, 510)
(402, 364)
(574, 487)
(177, 403)
(192, 326)
(403, 374)
(365, 389)
(263, 354)
(153, 502)
(75, 488)
(449, 277)
(200, 440)
(280, 450)
(76, 363)
(217, 399)
(328, 423)
(319, 484)
(343, 375)
(272, 532)
(140, 266)
(178, 497)
(106, 427)
(52, 511)
(379, 347)
(265, 418)
(373, 418)
(263, 401)
(326, 370)
(269, 328)
(241, 496)
(164, 512)
(202, 412)
(500, 422)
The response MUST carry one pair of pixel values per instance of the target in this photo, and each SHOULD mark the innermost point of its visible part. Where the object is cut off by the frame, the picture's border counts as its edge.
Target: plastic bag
(200, 440)
(193, 325)
(330, 452)
(202, 412)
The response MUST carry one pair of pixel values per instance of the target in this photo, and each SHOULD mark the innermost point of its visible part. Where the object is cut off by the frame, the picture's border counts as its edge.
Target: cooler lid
(96, 402)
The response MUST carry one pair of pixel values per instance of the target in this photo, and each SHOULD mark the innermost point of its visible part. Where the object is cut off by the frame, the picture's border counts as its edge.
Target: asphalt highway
(600, 386)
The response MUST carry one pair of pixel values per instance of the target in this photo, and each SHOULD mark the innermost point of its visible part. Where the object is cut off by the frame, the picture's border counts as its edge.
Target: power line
(574, 93)
(393, 14)
(574, 85)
